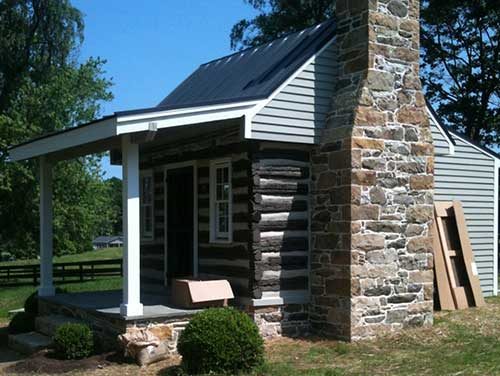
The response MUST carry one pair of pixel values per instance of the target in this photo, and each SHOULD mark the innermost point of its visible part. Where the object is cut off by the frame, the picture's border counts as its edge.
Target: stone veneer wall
(373, 179)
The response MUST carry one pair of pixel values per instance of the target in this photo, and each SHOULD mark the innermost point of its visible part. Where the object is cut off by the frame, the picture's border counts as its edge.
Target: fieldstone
(414, 230)
(380, 80)
(422, 149)
(377, 196)
(384, 226)
(421, 244)
(379, 290)
(411, 134)
(397, 8)
(368, 242)
(365, 212)
(363, 177)
(401, 298)
(381, 257)
(374, 164)
(419, 214)
(396, 316)
(421, 182)
(326, 180)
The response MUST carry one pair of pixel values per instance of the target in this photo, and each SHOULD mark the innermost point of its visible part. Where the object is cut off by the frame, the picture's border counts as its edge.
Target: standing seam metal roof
(251, 74)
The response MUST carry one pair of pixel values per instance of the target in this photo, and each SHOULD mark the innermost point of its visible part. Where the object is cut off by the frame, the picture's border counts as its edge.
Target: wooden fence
(15, 275)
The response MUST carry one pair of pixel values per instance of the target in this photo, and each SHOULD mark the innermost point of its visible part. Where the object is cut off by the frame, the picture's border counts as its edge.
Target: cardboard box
(200, 294)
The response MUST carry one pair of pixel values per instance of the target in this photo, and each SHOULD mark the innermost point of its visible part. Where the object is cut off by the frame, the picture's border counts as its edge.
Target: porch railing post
(131, 305)
(46, 236)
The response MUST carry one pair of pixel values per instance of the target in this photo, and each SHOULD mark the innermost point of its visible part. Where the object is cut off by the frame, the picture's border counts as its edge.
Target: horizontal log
(280, 187)
(279, 244)
(223, 270)
(286, 172)
(287, 225)
(295, 283)
(294, 155)
(226, 253)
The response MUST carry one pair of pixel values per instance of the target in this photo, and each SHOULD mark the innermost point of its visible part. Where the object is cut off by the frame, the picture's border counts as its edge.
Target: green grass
(14, 297)
(101, 254)
(460, 343)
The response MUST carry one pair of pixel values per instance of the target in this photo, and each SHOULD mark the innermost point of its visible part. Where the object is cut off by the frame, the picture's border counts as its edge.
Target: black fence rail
(15, 275)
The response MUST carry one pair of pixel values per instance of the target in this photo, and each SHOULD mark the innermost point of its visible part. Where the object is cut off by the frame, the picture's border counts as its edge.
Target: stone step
(29, 343)
(48, 325)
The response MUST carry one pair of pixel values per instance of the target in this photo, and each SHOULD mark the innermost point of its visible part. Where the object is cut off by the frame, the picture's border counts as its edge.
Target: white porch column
(131, 305)
(46, 236)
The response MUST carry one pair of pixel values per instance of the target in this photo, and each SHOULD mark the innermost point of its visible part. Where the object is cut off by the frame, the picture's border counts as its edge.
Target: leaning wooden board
(455, 251)
(446, 301)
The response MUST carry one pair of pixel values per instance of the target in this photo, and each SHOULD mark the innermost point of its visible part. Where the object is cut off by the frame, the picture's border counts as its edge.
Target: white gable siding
(298, 112)
(468, 175)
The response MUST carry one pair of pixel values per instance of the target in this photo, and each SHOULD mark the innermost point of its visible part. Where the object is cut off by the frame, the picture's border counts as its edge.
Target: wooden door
(180, 224)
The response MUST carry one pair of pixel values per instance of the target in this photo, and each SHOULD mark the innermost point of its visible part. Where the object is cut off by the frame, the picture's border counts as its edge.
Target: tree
(461, 65)
(43, 89)
(279, 17)
(114, 186)
(460, 54)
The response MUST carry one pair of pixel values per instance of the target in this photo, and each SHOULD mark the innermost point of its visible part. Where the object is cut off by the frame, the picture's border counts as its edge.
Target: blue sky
(151, 46)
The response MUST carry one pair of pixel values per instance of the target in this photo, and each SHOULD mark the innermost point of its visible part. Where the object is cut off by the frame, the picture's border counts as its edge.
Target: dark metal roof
(251, 74)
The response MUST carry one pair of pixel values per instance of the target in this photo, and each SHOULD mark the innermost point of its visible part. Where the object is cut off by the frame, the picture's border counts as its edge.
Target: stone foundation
(107, 328)
(291, 320)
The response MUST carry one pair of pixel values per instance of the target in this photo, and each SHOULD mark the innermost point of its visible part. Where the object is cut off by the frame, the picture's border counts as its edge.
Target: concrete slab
(108, 303)
(29, 343)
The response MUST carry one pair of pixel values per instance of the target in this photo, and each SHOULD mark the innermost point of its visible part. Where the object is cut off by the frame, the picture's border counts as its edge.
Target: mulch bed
(45, 362)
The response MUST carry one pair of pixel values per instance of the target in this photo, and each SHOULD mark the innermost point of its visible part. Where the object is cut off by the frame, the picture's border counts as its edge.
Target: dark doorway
(179, 184)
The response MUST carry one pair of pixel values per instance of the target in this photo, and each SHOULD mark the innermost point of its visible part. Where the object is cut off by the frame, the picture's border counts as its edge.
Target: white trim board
(437, 123)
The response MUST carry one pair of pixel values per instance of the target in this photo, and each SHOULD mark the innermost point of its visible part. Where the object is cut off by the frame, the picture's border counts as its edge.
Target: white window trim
(151, 236)
(213, 166)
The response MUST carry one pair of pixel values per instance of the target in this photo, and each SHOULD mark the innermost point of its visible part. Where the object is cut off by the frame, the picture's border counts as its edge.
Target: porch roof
(104, 134)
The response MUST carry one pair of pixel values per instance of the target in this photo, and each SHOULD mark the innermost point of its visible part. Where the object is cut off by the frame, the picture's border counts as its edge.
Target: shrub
(220, 340)
(73, 341)
(22, 322)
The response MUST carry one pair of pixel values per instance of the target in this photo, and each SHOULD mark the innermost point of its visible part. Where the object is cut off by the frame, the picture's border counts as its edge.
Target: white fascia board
(451, 146)
(65, 140)
(491, 155)
(265, 102)
(174, 118)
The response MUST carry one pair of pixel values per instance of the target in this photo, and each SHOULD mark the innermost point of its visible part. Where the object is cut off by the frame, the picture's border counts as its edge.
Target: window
(220, 201)
(146, 193)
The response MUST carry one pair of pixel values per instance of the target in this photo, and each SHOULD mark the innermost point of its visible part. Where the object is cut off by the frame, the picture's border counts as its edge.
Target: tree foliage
(460, 54)
(43, 88)
(278, 17)
(461, 64)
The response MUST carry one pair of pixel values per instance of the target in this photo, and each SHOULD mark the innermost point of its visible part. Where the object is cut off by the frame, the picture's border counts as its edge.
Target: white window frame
(150, 235)
(214, 165)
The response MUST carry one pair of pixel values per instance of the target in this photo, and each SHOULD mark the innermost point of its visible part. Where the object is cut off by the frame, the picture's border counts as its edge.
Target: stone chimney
(372, 183)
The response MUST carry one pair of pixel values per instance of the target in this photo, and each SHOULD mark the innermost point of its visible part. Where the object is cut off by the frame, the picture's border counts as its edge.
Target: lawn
(14, 297)
(101, 254)
(460, 343)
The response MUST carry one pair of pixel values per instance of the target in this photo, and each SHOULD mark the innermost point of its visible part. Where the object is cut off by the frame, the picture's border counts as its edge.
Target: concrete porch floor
(107, 303)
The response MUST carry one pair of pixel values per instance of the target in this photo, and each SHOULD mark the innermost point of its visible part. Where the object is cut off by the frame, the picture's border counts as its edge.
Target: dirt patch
(104, 364)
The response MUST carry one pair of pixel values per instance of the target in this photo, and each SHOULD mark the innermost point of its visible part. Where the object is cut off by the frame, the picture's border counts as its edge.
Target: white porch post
(131, 305)
(46, 236)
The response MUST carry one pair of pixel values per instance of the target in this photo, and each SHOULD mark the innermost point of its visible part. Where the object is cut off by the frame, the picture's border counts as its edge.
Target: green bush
(22, 322)
(73, 341)
(220, 340)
